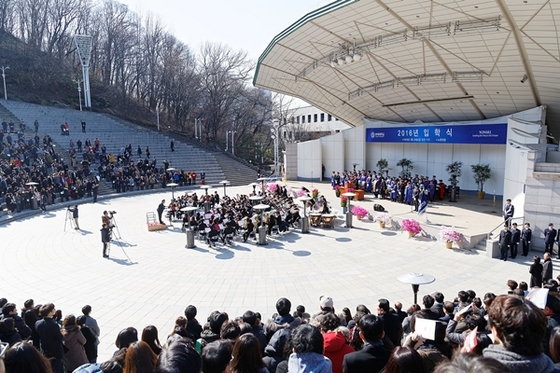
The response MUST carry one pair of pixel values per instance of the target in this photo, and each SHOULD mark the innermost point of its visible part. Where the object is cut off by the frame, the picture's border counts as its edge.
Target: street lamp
(232, 141)
(4, 68)
(416, 279)
(274, 130)
(224, 183)
(198, 128)
(77, 81)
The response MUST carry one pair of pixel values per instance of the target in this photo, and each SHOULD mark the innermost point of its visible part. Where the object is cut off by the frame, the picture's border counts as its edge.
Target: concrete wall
(309, 160)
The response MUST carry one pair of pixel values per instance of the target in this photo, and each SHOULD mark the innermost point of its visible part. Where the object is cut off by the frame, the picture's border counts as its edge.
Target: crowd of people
(34, 175)
(222, 218)
(495, 333)
(402, 189)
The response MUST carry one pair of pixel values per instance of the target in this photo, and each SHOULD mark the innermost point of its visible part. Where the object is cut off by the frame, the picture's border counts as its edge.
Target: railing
(509, 221)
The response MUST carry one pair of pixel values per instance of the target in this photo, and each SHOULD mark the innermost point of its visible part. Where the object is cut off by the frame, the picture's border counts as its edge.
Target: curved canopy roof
(409, 60)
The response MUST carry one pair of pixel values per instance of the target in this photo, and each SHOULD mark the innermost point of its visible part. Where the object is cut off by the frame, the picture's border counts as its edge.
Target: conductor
(74, 212)
(160, 209)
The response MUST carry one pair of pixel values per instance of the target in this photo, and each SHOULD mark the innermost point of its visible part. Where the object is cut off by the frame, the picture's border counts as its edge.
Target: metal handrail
(508, 221)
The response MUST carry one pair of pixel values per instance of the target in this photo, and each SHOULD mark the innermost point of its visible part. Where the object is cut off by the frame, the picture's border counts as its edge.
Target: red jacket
(335, 347)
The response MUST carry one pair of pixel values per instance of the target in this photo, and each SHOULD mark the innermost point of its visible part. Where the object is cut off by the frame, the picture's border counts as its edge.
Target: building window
(309, 118)
(314, 118)
(329, 117)
(297, 119)
(303, 119)
(322, 117)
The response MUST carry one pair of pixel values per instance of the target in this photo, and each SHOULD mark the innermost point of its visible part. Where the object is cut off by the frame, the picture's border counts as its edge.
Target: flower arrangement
(343, 201)
(272, 187)
(411, 225)
(315, 193)
(337, 190)
(383, 217)
(450, 234)
(301, 193)
(359, 211)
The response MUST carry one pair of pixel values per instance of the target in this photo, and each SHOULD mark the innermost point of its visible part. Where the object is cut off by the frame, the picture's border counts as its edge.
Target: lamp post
(224, 183)
(198, 128)
(4, 68)
(274, 130)
(416, 279)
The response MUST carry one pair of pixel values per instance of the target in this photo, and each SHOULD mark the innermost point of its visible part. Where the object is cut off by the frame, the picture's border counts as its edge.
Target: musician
(249, 228)
(106, 239)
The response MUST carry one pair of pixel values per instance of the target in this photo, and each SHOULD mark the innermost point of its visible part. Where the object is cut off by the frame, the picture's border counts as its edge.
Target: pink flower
(411, 225)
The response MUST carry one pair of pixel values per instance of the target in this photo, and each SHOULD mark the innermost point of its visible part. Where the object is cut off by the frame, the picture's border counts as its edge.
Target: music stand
(172, 186)
(224, 183)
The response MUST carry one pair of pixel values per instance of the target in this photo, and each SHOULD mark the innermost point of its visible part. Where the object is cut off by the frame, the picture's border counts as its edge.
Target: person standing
(504, 242)
(160, 209)
(515, 238)
(50, 337)
(172, 145)
(106, 239)
(508, 212)
(536, 271)
(83, 126)
(547, 268)
(526, 234)
(75, 216)
(95, 189)
(91, 324)
(36, 125)
(549, 238)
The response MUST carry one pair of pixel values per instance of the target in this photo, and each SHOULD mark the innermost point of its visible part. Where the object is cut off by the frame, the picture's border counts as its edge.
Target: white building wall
(309, 162)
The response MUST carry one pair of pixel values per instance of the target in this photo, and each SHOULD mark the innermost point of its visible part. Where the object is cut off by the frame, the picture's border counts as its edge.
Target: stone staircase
(115, 133)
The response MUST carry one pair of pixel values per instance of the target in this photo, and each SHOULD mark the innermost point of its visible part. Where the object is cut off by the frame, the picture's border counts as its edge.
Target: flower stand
(449, 244)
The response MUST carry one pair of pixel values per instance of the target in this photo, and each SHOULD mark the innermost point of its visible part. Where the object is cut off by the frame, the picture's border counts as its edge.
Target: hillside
(36, 77)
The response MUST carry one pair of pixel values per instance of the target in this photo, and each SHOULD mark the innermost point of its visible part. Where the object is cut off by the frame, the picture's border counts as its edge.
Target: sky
(248, 25)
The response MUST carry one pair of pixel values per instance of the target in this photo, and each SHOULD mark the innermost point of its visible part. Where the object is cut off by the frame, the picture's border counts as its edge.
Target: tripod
(115, 225)
(69, 217)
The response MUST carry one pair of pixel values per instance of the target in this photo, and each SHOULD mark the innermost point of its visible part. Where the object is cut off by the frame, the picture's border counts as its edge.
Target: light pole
(4, 68)
(232, 133)
(198, 128)
(274, 130)
(77, 81)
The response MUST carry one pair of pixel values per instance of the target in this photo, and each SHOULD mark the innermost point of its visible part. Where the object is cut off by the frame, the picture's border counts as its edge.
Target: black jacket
(370, 359)
(50, 338)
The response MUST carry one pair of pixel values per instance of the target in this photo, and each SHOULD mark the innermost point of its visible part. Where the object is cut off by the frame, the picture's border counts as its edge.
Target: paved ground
(150, 277)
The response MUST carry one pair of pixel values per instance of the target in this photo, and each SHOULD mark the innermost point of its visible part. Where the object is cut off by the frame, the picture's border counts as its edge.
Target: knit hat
(326, 302)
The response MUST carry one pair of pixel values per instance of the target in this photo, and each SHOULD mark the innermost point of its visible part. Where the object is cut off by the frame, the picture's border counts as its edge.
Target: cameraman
(106, 238)
(74, 212)
(106, 218)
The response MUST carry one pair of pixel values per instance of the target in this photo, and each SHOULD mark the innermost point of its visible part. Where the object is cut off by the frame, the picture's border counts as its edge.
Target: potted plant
(382, 165)
(406, 165)
(359, 211)
(481, 173)
(383, 218)
(315, 193)
(337, 190)
(343, 203)
(411, 226)
(450, 235)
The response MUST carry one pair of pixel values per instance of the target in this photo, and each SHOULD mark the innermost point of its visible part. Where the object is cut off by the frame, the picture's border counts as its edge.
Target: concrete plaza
(151, 277)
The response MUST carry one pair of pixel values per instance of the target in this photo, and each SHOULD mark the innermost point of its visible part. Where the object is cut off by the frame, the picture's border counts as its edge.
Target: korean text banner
(450, 134)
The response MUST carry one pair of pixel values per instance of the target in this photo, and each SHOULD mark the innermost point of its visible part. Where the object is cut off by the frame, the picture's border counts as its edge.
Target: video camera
(112, 212)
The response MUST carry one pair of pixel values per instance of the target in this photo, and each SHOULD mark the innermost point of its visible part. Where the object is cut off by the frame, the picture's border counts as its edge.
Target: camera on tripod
(112, 212)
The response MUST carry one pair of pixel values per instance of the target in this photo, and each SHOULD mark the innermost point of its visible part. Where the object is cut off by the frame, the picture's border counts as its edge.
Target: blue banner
(450, 134)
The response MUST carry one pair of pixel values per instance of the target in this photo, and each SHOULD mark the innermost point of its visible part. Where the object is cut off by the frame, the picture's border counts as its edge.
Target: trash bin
(305, 224)
(348, 219)
(262, 235)
(190, 238)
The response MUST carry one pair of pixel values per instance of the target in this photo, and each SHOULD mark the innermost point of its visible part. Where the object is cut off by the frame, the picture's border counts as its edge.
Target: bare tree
(224, 75)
